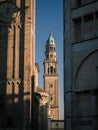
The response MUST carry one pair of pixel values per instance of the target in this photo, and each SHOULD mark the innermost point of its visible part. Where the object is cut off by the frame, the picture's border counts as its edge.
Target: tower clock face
(8, 11)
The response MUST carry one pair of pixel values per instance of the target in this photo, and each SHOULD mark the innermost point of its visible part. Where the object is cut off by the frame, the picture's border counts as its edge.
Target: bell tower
(51, 77)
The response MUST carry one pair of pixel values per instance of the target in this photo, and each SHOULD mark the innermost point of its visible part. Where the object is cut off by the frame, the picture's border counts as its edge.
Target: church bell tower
(51, 77)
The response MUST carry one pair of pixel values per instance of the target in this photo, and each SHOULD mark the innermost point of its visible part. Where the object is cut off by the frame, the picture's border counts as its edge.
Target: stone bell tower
(17, 55)
(51, 77)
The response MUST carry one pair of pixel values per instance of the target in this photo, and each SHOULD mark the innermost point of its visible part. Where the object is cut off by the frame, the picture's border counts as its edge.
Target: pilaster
(67, 65)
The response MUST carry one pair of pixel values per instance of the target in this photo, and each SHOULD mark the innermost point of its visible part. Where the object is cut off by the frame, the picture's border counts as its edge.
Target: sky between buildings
(49, 17)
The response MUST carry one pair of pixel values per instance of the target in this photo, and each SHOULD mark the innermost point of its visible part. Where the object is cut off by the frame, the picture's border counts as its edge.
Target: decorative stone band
(17, 25)
(12, 25)
(12, 81)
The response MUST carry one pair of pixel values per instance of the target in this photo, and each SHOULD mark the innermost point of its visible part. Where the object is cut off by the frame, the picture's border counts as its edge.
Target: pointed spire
(50, 40)
(50, 35)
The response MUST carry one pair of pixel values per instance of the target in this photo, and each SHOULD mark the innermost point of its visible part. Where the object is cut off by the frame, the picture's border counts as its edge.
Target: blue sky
(49, 17)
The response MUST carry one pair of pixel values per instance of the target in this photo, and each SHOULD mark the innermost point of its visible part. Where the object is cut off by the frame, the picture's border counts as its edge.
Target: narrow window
(51, 69)
(54, 70)
(56, 125)
(97, 23)
(97, 76)
(88, 26)
(79, 2)
(51, 48)
(76, 30)
(51, 85)
(51, 56)
(51, 98)
(48, 70)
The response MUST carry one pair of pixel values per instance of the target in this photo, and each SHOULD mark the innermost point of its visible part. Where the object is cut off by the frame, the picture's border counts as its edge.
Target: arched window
(51, 98)
(54, 70)
(48, 70)
(51, 69)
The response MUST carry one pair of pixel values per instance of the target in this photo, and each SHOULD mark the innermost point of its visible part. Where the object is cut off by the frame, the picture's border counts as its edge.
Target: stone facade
(17, 62)
(40, 110)
(43, 121)
(81, 64)
(36, 111)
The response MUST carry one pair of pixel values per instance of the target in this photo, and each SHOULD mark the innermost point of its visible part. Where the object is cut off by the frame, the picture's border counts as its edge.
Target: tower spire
(50, 41)
(50, 35)
(51, 77)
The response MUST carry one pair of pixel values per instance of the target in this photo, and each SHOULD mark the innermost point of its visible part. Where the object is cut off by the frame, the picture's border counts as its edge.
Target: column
(10, 58)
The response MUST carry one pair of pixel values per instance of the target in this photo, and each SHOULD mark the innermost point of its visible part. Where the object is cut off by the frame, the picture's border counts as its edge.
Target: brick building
(17, 62)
